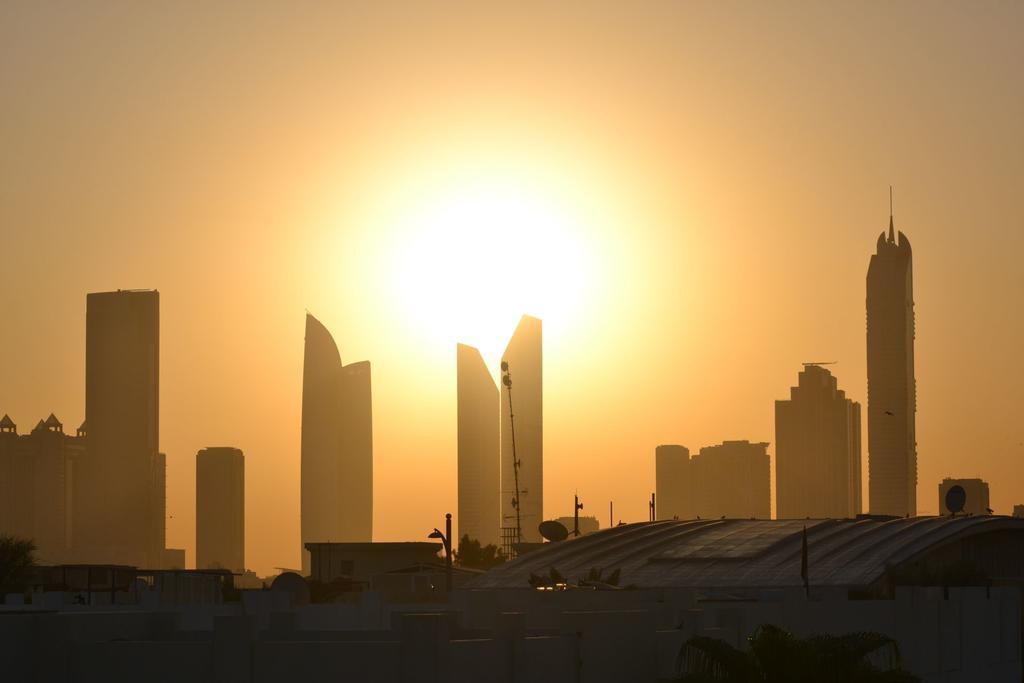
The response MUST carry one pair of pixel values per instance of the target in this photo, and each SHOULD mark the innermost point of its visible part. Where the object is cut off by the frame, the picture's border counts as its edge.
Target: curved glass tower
(337, 444)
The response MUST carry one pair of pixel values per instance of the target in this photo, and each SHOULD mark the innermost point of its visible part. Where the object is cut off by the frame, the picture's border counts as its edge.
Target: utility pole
(653, 509)
(506, 379)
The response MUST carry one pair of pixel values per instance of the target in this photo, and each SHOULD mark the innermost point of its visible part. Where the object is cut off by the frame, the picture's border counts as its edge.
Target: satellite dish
(294, 585)
(956, 497)
(553, 530)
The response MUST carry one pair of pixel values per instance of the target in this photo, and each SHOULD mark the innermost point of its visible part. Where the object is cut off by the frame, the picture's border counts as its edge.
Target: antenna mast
(506, 379)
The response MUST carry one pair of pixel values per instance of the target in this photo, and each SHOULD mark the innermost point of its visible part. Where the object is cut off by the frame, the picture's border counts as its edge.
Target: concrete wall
(965, 634)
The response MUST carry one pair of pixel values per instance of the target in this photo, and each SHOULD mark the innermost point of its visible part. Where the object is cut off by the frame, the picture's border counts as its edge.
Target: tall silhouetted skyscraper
(817, 450)
(122, 410)
(220, 509)
(479, 447)
(337, 444)
(892, 403)
(524, 357)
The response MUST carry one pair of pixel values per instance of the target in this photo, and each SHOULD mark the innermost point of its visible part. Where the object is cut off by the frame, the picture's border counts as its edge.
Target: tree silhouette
(777, 656)
(474, 556)
(17, 560)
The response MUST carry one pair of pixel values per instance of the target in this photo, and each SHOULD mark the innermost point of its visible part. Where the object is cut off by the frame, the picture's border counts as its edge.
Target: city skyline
(700, 184)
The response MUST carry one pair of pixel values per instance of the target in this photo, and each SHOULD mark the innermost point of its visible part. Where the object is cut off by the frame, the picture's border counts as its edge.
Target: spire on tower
(892, 233)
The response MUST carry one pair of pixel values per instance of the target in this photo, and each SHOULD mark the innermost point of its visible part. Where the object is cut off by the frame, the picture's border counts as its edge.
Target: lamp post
(577, 506)
(446, 541)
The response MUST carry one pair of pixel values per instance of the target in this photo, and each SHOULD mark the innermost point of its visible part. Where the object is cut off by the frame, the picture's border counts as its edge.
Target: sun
(467, 261)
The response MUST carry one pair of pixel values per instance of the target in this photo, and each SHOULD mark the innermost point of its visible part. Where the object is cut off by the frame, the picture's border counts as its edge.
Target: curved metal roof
(734, 553)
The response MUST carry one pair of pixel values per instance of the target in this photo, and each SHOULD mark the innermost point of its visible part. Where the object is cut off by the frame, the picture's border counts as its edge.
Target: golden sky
(699, 187)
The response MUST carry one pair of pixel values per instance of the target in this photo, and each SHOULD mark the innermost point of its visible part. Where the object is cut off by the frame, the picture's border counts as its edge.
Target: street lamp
(446, 540)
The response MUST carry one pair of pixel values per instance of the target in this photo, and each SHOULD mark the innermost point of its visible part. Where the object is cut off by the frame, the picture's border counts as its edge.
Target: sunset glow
(459, 260)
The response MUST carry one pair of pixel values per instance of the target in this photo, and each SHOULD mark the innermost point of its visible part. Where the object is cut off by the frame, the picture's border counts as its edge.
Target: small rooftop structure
(363, 561)
(732, 554)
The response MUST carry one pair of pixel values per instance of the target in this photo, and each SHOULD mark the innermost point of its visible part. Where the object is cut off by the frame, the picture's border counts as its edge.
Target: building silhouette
(525, 362)
(732, 480)
(892, 404)
(220, 509)
(337, 445)
(817, 450)
(672, 482)
(976, 501)
(38, 488)
(116, 518)
(479, 507)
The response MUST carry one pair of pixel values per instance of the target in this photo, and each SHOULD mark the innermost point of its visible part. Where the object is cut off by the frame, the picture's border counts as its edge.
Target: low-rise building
(976, 499)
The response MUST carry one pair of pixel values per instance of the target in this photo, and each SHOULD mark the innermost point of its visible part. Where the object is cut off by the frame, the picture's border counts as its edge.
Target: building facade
(38, 488)
(817, 450)
(122, 411)
(672, 484)
(976, 500)
(479, 443)
(892, 404)
(220, 509)
(525, 402)
(732, 480)
(337, 445)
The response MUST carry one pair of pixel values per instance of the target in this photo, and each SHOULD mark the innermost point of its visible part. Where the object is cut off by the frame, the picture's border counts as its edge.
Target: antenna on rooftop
(506, 379)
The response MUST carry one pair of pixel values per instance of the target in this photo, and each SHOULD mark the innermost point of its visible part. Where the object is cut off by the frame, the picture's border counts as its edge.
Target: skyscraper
(337, 444)
(892, 404)
(817, 450)
(479, 447)
(731, 479)
(37, 486)
(673, 485)
(525, 362)
(220, 509)
(122, 410)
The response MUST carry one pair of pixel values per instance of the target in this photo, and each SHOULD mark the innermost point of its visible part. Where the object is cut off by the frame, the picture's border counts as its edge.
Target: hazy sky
(687, 193)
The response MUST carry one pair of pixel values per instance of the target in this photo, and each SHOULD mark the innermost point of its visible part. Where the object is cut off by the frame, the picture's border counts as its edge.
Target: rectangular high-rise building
(525, 402)
(479, 508)
(731, 479)
(817, 450)
(220, 509)
(122, 416)
(672, 485)
(37, 486)
(892, 400)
